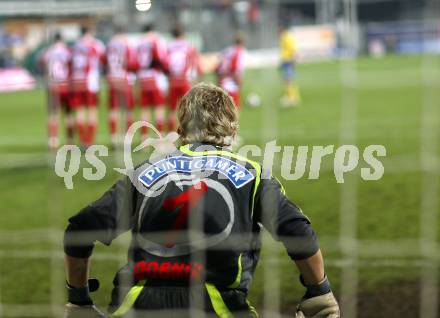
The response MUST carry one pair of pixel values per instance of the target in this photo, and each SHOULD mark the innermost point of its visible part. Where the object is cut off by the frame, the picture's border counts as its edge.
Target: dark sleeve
(102, 221)
(284, 220)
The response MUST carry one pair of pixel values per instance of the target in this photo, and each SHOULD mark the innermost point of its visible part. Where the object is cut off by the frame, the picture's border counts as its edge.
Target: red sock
(82, 131)
(91, 132)
(52, 128)
(171, 124)
(160, 126)
(112, 123)
(129, 120)
(69, 132)
(144, 132)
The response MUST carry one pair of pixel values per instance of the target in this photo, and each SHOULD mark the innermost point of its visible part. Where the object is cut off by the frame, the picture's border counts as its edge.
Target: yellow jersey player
(288, 54)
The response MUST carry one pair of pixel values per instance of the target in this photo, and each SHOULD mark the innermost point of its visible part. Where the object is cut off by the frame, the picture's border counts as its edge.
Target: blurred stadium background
(369, 74)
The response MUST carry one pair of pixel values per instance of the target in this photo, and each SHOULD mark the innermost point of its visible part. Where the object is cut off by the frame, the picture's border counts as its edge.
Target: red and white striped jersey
(56, 61)
(182, 59)
(232, 62)
(87, 55)
(120, 59)
(151, 53)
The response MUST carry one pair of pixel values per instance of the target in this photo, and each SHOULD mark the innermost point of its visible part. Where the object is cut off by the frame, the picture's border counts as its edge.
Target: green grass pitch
(389, 95)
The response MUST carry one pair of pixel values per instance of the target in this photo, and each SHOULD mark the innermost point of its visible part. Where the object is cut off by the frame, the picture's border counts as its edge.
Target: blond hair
(207, 114)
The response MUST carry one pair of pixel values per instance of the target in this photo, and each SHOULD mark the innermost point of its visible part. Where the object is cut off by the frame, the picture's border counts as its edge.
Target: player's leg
(159, 115)
(235, 95)
(236, 98)
(145, 101)
(159, 109)
(293, 92)
(81, 124)
(160, 91)
(122, 111)
(92, 125)
(113, 116)
(286, 81)
(69, 119)
(292, 96)
(119, 114)
(69, 122)
(130, 106)
(172, 106)
(53, 119)
(80, 101)
(295, 88)
(172, 118)
(92, 122)
(113, 125)
(175, 95)
(232, 88)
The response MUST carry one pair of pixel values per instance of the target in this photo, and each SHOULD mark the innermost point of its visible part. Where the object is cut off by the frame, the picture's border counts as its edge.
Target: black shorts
(155, 300)
(59, 100)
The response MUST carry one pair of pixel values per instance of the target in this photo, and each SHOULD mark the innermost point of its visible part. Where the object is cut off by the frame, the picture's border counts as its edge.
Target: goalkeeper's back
(195, 217)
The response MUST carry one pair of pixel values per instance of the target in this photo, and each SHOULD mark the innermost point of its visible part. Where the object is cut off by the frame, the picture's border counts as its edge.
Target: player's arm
(102, 221)
(312, 268)
(77, 271)
(286, 222)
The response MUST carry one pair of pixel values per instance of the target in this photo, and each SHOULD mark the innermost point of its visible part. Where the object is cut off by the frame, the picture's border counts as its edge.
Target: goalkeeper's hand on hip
(318, 302)
(80, 305)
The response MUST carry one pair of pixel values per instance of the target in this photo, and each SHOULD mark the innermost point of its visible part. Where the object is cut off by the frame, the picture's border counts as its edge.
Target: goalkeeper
(195, 216)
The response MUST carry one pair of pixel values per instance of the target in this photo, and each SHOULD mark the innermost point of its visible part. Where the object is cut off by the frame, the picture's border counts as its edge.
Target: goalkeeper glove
(318, 302)
(80, 305)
